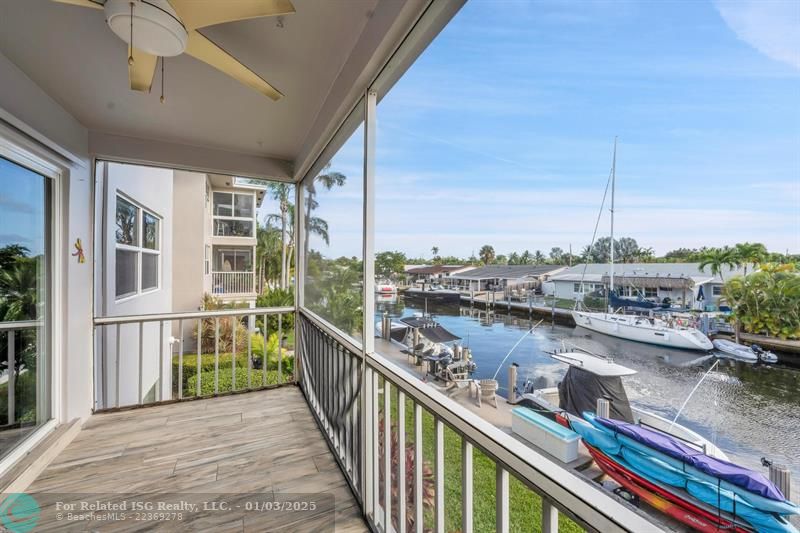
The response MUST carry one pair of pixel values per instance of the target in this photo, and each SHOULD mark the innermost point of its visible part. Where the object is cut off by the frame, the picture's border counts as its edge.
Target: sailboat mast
(613, 182)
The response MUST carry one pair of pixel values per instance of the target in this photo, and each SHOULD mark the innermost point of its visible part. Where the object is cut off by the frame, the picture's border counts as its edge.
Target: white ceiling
(71, 54)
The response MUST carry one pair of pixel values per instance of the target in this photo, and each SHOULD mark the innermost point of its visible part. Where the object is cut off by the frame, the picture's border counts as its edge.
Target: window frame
(139, 249)
(233, 217)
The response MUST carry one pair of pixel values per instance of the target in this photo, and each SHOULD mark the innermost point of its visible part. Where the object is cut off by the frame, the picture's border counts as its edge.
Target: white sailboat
(637, 328)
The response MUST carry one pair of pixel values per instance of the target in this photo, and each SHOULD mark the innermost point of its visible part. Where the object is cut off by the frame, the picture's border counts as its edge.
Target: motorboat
(656, 461)
(749, 354)
(591, 377)
(434, 294)
(385, 287)
(651, 330)
(703, 491)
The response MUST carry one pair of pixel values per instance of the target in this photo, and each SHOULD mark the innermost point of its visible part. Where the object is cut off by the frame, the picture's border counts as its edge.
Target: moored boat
(749, 354)
(385, 287)
(591, 377)
(434, 294)
(643, 329)
(704, 492)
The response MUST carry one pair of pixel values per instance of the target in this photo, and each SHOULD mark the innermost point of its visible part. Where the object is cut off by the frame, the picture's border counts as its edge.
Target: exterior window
(138, 249)
(234, 214)
(576, 287)
(716, 290)
(650, 292)
(208, 259)
(229, 260)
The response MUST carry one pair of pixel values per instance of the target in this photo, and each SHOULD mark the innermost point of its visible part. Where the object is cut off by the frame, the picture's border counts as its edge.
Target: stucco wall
(27, 108)
(151, 189)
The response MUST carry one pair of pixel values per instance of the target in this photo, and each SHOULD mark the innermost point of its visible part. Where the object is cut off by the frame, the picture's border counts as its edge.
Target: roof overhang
(323, 58)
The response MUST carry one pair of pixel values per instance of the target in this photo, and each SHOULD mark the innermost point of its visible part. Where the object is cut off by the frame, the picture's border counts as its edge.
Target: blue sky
(502, 131)
(21, 207)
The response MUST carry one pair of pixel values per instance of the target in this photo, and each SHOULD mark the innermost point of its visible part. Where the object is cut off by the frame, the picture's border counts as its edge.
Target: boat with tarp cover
(704, 492)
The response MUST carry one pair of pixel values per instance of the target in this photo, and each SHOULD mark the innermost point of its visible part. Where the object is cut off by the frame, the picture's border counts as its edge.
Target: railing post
(439, 482)
(501, 499)
(549, 517)
(418, 507)
(466, 485)
(141, 362)
(11, 376)
(401, 461)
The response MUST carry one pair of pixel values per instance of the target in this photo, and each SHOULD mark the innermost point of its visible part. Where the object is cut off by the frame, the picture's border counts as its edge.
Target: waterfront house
(502, 277)
(683, 283)
(427, 274)
(97, 417)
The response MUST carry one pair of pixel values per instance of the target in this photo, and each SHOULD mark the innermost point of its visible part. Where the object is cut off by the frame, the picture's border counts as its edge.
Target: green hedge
(25, 398)
(225, 381)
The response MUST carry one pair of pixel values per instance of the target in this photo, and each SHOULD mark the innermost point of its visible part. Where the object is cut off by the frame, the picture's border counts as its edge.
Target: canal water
(750, 411)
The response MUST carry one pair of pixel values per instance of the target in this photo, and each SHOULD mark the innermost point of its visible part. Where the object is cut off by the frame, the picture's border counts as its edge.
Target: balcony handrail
(571, 494)
(21, 324)
(233, 271)
(158, 317)
(342, 338)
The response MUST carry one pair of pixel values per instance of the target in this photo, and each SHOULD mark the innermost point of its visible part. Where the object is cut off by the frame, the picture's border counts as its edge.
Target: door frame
(22, 150)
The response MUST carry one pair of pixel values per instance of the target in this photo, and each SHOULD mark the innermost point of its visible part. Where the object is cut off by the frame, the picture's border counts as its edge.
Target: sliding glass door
(25, 278)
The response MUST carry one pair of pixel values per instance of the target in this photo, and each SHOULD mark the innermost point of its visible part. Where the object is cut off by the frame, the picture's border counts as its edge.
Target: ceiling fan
(167, 28)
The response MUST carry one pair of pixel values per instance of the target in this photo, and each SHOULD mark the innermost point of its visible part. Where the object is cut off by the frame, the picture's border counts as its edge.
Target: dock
(499, 416)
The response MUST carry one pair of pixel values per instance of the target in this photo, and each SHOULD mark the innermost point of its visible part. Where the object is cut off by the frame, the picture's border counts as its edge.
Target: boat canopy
(600, 366)
(737, 475)
(430, 329)
(580, 390)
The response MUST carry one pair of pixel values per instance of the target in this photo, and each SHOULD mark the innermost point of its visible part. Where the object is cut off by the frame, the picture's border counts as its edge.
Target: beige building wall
(188, 250)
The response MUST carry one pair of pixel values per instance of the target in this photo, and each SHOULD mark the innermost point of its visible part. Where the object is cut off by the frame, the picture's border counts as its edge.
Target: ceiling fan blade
(201, 13)
(83, 3)
(205, 50)
(141, 72)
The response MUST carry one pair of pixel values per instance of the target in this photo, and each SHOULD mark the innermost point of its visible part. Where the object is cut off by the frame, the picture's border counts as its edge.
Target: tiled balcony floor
(259, 442)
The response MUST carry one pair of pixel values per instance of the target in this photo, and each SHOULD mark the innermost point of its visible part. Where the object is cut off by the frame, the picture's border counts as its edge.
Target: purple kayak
(736, 475)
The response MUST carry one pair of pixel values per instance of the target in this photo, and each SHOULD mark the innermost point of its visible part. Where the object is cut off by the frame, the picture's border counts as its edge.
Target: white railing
(233, 282)
(363, 428)
(144, 359)
(12, 331)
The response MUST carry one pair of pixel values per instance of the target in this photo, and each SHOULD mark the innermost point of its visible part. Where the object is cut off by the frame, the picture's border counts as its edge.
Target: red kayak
(672, 505)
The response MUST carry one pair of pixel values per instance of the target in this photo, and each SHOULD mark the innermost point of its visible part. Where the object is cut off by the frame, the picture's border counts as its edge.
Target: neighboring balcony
(233, 283)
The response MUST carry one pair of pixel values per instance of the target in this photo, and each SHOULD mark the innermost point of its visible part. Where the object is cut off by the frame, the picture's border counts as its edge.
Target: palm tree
(486, 254)
(18, 289)
(435, 251)
(716, 259)
(750, 253)
(328, 180)
(538, 257)
(280, 192)
(525, 258)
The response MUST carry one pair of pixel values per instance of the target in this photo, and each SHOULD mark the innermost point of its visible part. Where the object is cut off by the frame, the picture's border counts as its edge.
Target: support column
(370, 102)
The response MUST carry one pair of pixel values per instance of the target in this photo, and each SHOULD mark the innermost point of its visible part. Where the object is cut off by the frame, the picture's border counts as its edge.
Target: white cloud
(770, 26)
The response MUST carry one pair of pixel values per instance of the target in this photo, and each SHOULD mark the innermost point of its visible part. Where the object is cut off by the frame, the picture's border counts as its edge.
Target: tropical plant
(767, 301)
(390, 264)
(750, 253)
(428, 491)
(227, 326)
(538, 257)
(276, 297)
(486, 254)
(716, 259)
(556, 255)
(328, 180)
(280, 192)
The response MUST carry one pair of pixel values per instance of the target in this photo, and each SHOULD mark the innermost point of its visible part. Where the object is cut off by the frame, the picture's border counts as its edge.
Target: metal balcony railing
(143, 359)
(14, 337)
(366, 407)
(226, 283)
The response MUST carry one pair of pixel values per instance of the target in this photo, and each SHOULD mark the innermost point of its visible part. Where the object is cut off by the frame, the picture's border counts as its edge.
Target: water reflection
(748, 410)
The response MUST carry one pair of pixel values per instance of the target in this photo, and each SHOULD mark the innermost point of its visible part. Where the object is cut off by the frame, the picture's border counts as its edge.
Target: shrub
(767, 301)
(226, 380)
(226, 326)
(276, 297)
(25, 398)
(207, 361)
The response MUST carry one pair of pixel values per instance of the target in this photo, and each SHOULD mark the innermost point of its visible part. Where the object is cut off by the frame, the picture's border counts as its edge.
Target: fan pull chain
(162, 79)
(130, 55)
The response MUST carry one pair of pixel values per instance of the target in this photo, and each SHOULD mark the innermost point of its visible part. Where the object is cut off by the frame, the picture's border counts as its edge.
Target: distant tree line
(626, 250)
